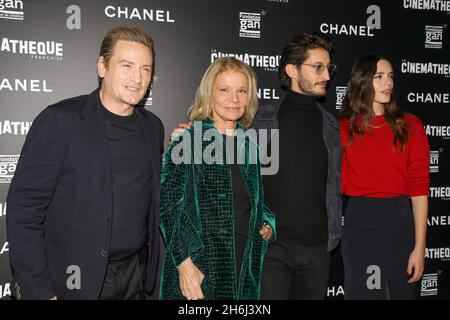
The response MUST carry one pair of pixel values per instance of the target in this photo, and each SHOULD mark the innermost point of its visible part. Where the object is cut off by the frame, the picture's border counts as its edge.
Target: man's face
(127, 76)
(304, 78)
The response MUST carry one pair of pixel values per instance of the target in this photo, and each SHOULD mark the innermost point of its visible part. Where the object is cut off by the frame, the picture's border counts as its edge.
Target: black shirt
(131, 176)
(296, 194)
(242, 205)
(241, 197)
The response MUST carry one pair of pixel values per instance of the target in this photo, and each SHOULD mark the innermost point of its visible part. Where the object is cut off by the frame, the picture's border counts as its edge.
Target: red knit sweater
(371, 167)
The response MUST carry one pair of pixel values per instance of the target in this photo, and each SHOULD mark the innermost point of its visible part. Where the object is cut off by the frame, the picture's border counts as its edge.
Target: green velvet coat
(197, 220)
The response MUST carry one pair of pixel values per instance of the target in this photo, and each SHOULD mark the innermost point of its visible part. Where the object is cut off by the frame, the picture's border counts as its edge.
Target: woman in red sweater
(385, 165)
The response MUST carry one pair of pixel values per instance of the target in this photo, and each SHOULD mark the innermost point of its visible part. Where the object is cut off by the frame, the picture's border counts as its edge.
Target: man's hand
(176, 131)
(266, 232)
(190, 280)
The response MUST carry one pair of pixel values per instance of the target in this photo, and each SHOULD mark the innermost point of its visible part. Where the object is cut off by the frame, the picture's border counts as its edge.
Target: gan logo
(268, 63)
(438, 131)
(11, 9)
(442, 254)
(433, 37)
(24, 85)
(434, 161)
(8, 166)
(249, 25)
(372, 22)
(2, 209)
(422, 97)
(442, 193)
(43, 50)
(5, 290)
(438, 5)
(340, 95)
(425, 68)
(138, 14)
(429, 285)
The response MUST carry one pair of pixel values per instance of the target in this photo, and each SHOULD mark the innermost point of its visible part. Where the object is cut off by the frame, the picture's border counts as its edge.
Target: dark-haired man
(305, 192)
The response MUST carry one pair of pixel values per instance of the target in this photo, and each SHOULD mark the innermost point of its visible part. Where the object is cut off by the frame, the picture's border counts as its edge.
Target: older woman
(212, 214)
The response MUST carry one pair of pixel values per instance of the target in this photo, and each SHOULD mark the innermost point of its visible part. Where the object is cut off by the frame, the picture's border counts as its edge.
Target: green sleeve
(179, 231)
(269, 217)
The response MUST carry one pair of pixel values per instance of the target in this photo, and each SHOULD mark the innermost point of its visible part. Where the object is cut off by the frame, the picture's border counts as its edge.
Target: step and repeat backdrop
(49, 50)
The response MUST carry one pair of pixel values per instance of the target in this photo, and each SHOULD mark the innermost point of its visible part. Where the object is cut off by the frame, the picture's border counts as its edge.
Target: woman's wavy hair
(357, 104)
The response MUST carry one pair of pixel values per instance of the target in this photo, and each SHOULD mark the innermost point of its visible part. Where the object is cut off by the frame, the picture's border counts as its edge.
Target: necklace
(377, 126)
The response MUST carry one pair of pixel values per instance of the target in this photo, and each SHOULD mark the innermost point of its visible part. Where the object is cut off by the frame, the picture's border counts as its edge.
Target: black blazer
(60, 201)
(267, 118)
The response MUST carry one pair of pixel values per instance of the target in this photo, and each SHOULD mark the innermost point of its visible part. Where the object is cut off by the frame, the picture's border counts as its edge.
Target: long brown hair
(358, 103)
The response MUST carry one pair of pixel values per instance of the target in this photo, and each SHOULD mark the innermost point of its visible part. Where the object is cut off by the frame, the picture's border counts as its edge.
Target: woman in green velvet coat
(213, 219)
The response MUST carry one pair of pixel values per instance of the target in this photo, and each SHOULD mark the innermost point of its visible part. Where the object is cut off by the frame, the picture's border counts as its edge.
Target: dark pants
(124, 279)
(377, 240)
(295, 272)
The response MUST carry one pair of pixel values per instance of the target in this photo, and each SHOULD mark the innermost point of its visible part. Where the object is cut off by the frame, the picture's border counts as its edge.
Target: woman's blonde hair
(201, 109)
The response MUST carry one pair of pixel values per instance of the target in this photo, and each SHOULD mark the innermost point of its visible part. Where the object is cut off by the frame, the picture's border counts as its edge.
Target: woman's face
(383, 83)
(230, 96)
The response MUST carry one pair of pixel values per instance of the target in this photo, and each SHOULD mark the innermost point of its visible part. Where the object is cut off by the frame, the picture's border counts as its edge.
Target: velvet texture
(197, 218)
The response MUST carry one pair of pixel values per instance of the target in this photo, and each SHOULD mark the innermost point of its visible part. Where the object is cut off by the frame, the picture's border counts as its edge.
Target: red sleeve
(418, 158)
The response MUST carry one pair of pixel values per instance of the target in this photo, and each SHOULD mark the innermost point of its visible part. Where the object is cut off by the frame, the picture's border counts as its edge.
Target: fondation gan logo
(249, 25)
(8, 164)
(11, 9)
(434, 37)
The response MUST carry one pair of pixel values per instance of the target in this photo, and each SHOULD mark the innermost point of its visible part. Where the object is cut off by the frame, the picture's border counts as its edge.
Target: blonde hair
(202, 109)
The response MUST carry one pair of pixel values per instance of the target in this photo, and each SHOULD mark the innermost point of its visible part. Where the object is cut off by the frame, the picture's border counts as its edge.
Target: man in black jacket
(305, 192)
(82, 220)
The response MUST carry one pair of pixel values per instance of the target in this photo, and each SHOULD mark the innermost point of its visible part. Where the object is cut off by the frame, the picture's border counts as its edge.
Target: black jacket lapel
(92, 130)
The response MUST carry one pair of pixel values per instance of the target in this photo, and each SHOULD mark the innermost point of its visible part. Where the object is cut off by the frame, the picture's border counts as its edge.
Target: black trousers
(378, 239)
(124, 279)
(295, 272)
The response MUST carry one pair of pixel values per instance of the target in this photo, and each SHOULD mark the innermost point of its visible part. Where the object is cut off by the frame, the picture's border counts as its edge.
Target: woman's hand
(190, 280)
(266, 232)
(416, 263)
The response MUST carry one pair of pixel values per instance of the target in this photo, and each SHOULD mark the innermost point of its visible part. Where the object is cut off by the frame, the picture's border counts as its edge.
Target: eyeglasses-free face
(319, 68)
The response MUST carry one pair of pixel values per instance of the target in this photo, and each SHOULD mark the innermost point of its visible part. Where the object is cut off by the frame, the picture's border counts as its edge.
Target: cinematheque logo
(267, 62)
(41, 50)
